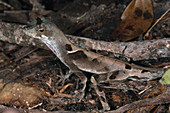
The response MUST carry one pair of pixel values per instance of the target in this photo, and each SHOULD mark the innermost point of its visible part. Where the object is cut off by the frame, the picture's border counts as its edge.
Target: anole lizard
(77, 59)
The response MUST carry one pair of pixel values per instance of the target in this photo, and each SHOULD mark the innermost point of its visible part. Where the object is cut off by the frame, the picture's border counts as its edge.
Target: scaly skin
(78, 59)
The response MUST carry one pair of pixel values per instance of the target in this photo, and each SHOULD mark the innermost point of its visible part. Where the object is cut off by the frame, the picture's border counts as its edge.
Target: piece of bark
(148, 49)
(138, 50)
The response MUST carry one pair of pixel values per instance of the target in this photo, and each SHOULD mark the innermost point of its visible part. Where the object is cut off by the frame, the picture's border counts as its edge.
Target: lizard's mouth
(31, 33)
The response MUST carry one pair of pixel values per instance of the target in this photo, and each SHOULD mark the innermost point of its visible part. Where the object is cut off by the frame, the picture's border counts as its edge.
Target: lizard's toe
(79, 95)
(81, 90)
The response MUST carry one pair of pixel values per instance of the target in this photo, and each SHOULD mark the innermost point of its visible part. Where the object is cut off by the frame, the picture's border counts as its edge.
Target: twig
(158, 20)
(161, 99)
(7, 5)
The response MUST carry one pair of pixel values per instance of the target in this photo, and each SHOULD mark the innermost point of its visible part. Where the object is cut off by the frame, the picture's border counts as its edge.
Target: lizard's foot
(81, 89)
(79, 94)
(63, 77)
(101, 95)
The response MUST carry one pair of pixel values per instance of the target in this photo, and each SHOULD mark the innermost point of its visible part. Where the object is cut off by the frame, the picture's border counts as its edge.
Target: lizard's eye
(41, 30)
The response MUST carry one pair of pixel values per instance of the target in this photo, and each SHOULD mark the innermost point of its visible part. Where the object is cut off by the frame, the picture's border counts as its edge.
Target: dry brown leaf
(136, 19)
(18, 94)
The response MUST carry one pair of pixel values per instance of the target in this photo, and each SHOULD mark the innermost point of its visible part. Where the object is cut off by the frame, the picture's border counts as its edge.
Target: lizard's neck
(57, 43)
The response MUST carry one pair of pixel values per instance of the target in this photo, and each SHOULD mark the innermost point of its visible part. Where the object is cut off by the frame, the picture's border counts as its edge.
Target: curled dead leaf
(136, 19)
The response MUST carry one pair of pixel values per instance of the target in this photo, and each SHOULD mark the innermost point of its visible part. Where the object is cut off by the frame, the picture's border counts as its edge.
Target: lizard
(78, 59)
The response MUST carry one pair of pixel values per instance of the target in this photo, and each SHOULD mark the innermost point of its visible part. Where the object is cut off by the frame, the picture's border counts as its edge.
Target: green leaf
(166, 78)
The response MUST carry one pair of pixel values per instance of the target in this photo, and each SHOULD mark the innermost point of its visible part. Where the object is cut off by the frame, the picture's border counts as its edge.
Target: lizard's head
(41, 29)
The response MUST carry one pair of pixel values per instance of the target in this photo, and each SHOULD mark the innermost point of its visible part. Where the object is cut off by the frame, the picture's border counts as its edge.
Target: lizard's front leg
(82, 85)
(79, 73)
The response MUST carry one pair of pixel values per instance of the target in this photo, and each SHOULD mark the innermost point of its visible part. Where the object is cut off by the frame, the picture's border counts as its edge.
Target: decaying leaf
(136, 19)
(19, 95)
(166, 77)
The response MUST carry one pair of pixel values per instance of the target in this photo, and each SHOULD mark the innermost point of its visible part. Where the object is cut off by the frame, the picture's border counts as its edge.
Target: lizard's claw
(63, 77)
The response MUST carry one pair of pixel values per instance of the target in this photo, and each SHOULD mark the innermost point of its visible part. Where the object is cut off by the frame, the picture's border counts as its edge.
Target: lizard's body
(78, 59)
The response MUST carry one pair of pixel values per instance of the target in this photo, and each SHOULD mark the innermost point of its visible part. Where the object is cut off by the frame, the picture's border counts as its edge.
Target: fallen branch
(161, 99)
(148, 49)
(138, 50)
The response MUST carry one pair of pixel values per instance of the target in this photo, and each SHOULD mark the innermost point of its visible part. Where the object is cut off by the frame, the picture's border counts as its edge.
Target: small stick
(147, 34)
